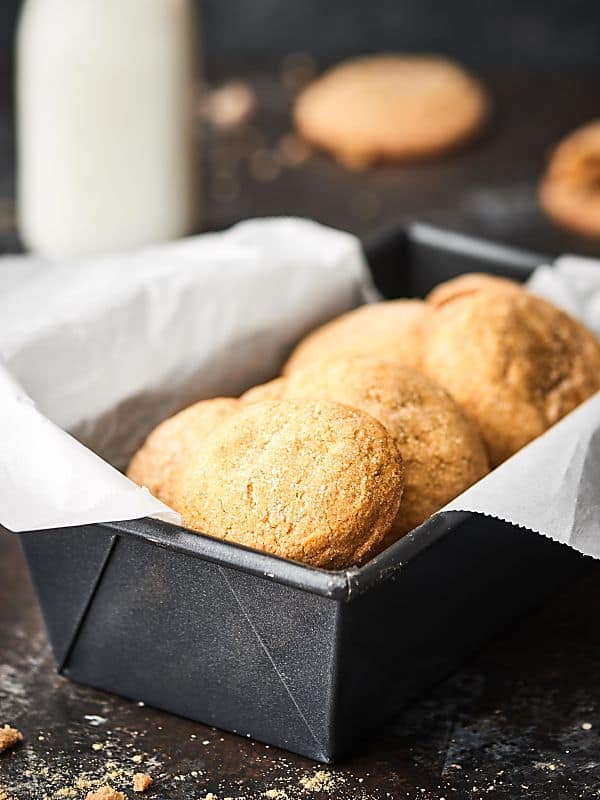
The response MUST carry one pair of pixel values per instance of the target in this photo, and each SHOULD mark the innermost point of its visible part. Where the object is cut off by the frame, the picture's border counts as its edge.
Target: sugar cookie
(514, 362)
(158, 463)
(316, 482)
(441, 450)
(570, 189)
(388, 107)
(392, 329)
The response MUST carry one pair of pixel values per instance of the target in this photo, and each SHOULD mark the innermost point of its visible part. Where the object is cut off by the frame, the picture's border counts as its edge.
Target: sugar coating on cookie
(272, 390)
(514, 362)
(389, 107)
(570, 189)
(467, 285)
(316, 482)
(158, 463)
(392, 329)
(441, 450)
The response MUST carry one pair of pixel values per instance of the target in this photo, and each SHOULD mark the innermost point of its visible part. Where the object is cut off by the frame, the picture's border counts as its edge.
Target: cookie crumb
(141, 782)
(105, 793)
(9, 737)
(276, 794)
(210, 796)
(586, 726)
(321, 781)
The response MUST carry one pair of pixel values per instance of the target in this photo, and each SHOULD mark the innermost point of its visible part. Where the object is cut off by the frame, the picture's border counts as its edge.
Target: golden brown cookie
(392, 329)
(390, 107)
(272, 390)
(441, 450)
(514, 362)
(467, 285)
(570, 190)
(316, 482)
(158, 463)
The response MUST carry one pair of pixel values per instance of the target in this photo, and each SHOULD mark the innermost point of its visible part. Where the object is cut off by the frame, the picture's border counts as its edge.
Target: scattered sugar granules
(105, 793)
(141, 782)
(9, 737)
(321, 781)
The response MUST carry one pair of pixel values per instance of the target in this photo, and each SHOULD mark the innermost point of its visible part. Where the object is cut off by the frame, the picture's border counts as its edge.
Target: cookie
(316, 482)
(441, 450)
(272, 390)
(467, 285)
(390, 107)
(570, 190)
(514, 362)
(392, 330)
(158, 463)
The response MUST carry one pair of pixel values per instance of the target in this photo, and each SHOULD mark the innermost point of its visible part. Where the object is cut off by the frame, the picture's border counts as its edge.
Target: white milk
(105, 92)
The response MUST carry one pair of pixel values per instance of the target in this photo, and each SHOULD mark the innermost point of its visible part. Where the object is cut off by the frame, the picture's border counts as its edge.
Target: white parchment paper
(109, 347)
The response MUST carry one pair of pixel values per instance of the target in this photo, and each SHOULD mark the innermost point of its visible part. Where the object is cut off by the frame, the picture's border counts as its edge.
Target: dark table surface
(520, 720)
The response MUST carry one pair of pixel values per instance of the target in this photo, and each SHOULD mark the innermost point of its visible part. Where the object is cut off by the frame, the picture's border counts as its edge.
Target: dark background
(257, 34)
(540, 61)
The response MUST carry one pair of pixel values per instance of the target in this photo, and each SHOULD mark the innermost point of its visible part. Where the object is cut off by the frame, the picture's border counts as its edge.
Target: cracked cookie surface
(158, 463)
(515, 363)
(316, 482)
(441, 450)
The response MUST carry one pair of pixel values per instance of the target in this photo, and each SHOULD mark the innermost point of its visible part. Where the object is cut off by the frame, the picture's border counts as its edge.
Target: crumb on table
(105, 793)
(318, 782)
(141, 782)
(9, 737)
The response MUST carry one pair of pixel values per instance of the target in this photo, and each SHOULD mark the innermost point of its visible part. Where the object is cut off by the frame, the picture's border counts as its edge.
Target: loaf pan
(297, 657)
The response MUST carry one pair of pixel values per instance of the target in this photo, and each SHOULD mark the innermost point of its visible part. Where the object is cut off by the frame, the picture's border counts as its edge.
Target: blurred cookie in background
(570, 190)
(391, 107)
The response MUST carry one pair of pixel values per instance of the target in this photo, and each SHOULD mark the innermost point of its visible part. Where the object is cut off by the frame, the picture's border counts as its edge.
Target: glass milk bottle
(105, 105)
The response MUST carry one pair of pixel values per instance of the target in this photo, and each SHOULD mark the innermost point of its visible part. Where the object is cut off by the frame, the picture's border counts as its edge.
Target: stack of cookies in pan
(380, 418)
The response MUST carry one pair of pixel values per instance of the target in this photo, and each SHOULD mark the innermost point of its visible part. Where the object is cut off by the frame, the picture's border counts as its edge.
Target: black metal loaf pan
(301, 658)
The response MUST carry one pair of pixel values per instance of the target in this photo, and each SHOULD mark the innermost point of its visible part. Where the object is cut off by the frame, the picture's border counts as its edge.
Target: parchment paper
(108, 347)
